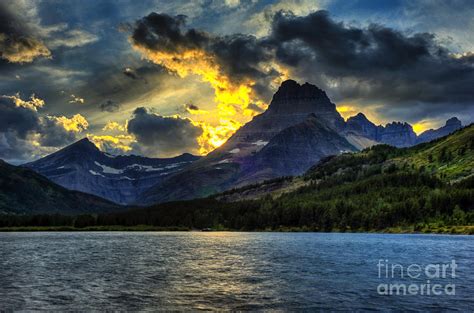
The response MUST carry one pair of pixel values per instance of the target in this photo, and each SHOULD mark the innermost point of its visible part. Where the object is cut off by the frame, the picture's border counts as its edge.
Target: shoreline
(443, 230)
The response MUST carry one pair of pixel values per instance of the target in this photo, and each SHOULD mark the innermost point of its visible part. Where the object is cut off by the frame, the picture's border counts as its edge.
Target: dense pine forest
(426, 188)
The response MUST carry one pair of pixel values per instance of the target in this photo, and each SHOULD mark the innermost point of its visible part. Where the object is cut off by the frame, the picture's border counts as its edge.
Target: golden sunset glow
(423, 125)
(33, 104)
(232, 99)
(119, 142)
(76, 123)
(347, 110)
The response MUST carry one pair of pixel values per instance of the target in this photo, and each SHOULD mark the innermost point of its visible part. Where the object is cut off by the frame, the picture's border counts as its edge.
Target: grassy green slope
(450, 158)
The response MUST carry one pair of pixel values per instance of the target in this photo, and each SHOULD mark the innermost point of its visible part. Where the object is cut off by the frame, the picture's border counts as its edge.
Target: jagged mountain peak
(293, 98)
(453, 121)
(359, 116)
(84, 145)
(291, 89)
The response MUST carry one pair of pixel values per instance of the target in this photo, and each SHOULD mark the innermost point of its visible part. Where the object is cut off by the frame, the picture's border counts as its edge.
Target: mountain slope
(24, 191)
(449, 159)
(380, 188)
(281, 141)
(451, 126)
(83, 167)
(245, 157)
(294, 150)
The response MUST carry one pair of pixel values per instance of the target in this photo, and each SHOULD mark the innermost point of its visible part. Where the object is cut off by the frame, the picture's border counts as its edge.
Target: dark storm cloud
(22, 127)
(109, 106)
(17, 119)
(239, 56)
(54, 135)
(374, 64)
(15, 150)
(18, 43)
(163, 135)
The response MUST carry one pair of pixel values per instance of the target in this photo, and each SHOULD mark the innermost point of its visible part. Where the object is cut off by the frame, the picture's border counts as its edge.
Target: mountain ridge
(83, 167)
(23, 191)
(277, 142)
(244, 158)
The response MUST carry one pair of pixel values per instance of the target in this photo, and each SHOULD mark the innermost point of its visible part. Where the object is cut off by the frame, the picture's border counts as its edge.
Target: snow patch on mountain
(108, 170)
(260, 143)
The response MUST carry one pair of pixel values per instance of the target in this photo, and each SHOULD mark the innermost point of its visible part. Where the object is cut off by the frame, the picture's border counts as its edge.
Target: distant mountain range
(300, 127)
(22, 191)
(449, 159)
(83, 167)
(425, 188)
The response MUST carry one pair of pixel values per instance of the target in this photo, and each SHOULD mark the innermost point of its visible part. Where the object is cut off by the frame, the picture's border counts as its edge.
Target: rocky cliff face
(397, 134)
(294, 150)
(290, 105)
(83, 167)
(361, 125)
(451, 126)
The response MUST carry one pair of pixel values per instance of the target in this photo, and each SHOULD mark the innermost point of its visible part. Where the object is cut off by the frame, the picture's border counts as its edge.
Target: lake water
(228, 270)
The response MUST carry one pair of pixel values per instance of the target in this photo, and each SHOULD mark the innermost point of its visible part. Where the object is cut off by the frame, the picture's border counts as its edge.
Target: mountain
(451, 126)
(83, 167)
(295, 149)
(300, 126)
(361, 125)
(449, 159)
(396, 134)
(23, 191)
(425, 188)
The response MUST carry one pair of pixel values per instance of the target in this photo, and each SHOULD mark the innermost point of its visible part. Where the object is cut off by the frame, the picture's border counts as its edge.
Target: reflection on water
(247, 271)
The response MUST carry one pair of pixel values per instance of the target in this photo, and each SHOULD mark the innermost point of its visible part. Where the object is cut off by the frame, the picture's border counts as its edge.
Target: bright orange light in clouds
(347, 110)
(423, 125)
(232, 98)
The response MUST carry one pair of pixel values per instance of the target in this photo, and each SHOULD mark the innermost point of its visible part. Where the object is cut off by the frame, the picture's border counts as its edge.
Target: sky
(160, 78)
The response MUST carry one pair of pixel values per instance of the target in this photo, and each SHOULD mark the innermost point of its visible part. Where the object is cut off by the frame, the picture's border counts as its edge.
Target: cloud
(109, 106)
(238, 67)
(57, 131)
(18, 42)
(194, 109)
(162, 135)
(115, 126)
(376, 63)
(61, 36)
(25, 134)
(76, 99)
(259, 23)
(130, 73)
(113, 144)
(18, 116)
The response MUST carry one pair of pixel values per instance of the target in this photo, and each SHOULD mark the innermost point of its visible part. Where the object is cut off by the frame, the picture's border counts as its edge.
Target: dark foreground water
(246, 271)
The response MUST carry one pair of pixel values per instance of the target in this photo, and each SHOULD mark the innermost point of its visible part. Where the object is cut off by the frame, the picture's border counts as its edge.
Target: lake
(234, 270)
